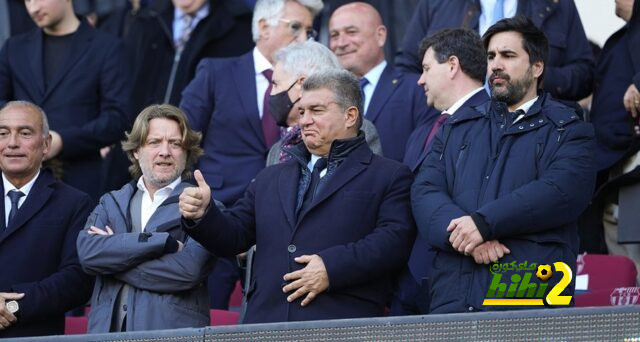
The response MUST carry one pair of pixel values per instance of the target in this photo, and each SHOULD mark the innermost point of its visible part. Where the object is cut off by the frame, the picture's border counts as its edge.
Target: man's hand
(631, 101)
(489, 251)
(93, 230)
(194, 201)
(464, 234)
(56, 145)
(6, 317)
(311, 280)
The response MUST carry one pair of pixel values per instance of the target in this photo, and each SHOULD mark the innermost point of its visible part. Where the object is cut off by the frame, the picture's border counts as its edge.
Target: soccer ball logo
(544, 272)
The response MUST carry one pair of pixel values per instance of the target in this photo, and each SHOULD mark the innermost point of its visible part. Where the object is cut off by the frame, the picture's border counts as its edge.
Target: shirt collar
(525, 107)
(456, 105)
(260, 62)
(25, 188)
(200, 14)
(142, 187)
(373, 76)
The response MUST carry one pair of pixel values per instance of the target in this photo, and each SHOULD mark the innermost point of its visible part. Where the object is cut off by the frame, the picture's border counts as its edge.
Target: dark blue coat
(618, 67)
(85, 102)
(569, 68)
(360, 223)
(421, 255)
(398, 105)
(524, 184)
(38, 256)
(221, 103)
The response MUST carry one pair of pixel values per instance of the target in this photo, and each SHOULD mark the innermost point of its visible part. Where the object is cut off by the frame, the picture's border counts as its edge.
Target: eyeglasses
(295, 27)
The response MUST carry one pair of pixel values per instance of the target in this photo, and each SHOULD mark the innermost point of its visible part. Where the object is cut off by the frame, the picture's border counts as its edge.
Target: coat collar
(37, 198)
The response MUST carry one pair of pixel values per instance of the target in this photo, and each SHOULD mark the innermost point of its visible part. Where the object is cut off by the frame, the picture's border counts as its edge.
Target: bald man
(392, 100)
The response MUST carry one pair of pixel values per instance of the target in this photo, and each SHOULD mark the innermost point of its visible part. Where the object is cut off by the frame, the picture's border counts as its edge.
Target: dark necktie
(320, 165)
(363, 83)
(14, 196)
(436, 126)
(269, 128)
(514, 115)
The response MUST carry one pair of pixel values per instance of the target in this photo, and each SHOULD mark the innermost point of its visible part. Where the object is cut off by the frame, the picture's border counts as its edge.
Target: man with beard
(512, 177)
(149, 276)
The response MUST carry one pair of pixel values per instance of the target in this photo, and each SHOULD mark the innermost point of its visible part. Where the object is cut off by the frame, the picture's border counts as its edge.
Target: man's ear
(47, 144)
(263, 29)
(135, 155)
(454, 66)
(352, 115)
(381, 35)
(537, 69)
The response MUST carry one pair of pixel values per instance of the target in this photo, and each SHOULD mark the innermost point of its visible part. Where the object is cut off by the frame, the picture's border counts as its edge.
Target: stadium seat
(609, 297)
(223, 317)
(75, 325)
(236, 296)
(607, 272)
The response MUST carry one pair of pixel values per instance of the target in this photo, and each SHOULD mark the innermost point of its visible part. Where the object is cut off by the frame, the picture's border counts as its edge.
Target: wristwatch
(12, 306)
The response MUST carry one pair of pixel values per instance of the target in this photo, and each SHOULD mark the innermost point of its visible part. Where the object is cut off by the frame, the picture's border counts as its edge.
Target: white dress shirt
(260, 63)
(312, 163)
(8, 187)
(373, 76)
(149, 206)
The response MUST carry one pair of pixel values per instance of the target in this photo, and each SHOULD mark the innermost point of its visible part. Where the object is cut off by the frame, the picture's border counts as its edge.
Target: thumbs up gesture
(194, 201)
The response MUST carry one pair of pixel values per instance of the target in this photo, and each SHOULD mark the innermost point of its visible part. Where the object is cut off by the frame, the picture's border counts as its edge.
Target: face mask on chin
(280, 105)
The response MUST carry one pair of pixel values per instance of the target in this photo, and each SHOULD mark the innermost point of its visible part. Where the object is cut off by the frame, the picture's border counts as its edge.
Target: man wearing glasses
(226, 102)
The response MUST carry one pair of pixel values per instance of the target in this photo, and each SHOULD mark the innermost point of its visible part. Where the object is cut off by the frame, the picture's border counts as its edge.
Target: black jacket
(225, 32)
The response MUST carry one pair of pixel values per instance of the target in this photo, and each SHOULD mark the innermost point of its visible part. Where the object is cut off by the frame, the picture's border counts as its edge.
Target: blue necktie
(498, 12)
(14, 196)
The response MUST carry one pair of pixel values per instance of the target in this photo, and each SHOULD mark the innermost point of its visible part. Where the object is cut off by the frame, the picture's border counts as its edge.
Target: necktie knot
(363, 83)
(320, 165)
(14, 196)
(268, 73)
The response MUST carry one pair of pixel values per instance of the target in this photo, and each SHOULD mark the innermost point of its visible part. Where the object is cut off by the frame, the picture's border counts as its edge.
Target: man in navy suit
(40, 276)
(226, 102)
(392, 101)
(454, 66)
(332, 225)
(79, 76)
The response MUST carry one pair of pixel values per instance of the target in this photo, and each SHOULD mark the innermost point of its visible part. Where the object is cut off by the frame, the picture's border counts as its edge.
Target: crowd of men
(363, 186)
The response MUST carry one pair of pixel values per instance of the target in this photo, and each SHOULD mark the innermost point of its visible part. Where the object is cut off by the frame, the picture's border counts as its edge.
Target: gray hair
(344, 86)
(35, 108)
(271, 11)
(305, 58)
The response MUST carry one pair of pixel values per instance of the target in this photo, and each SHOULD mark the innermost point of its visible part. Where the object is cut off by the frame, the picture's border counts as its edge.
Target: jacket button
(291, 248)
(471, 308)
(561, 121)
(540, 121)
(532, 124)
(124, 307)
(520, 127)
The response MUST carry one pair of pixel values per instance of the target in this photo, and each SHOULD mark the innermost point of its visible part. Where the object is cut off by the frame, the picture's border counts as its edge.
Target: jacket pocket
(462, 153)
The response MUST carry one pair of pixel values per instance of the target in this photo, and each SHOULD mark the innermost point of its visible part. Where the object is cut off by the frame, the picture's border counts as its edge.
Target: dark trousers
(409, 296)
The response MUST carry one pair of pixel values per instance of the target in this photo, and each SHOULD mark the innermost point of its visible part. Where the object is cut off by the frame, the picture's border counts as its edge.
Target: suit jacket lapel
(244, 75)
(387, 84)
(80, 46)
(288, 190)
(38, 196)
(351, 167)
